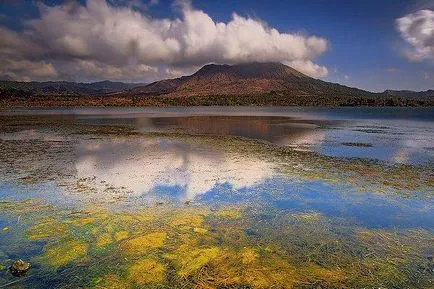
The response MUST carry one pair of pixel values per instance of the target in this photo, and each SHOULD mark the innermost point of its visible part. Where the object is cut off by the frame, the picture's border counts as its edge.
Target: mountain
(24, 89)
(252, 83)
(427, 94)
(242, 79)
(242, 84)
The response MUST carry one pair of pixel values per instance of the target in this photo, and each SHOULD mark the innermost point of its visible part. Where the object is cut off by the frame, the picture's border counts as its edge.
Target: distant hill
(427, 94)
(33, 88)
(241, 84)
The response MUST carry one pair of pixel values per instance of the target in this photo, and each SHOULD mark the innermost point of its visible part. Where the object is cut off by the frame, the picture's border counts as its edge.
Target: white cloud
(100, 35)
(309, 68)
(418, 30)
(26, 70)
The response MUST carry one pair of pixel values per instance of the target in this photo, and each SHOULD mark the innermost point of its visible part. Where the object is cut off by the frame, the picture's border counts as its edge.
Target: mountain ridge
(214, 84)
(423, 94)
(10, 88)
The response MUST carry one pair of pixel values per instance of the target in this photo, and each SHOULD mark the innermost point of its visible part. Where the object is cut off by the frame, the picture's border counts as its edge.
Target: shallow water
(218, 197)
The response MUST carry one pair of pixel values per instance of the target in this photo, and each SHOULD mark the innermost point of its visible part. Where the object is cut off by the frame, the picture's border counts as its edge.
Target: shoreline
(129, 102)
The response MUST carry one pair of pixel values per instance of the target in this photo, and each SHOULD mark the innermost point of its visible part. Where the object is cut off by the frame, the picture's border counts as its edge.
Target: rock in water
(19, 268)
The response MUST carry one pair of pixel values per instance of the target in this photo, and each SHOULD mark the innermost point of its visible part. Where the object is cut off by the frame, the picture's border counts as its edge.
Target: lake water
(211, 197)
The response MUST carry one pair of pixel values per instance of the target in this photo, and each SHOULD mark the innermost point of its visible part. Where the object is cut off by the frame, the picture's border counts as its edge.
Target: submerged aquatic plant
(124, 243)
(189, 260)
(47, 229)
(142, 244)
(124, 249)
(146, 271)
(63, 252)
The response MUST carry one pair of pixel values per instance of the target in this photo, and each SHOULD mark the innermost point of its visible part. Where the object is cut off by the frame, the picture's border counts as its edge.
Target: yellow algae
(249, 255)
(147, 271)
(142, 217)
(47, 229)
(187, 220)
(188, 260)
(94, 230)
(247, 268)
(309, 217)
(63, 252)
(124, 218)
(270, 271)
(121, 235)
(143, 244)
(317, 274)
(98, 213)
(385, 269)
(226, 269)
(229, 213)
(78, 222)
(112, 281)
(372, 235)
(200, 230)
(104, 240)
(111, 227)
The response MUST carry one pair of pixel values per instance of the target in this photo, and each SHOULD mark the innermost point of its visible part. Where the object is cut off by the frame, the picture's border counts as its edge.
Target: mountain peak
(265, 70)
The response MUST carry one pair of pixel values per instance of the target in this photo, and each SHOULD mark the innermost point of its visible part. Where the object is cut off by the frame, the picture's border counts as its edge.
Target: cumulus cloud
(308, 67)
(26, 70)
(418, 30)
(107, 40)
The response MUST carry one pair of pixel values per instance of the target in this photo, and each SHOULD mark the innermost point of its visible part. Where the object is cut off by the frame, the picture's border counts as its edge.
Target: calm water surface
(218, 197)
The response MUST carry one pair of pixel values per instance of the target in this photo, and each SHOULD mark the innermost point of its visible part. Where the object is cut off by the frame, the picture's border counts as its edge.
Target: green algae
(63, 252)
(231, 213)
(307, 217)
(47, 229)
(111, 281)
(24, 207)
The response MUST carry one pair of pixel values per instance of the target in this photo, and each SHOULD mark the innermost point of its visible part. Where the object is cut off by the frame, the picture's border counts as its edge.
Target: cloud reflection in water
(142, 165)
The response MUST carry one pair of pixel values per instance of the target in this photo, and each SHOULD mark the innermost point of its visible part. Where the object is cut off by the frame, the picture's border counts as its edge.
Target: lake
(217, 197)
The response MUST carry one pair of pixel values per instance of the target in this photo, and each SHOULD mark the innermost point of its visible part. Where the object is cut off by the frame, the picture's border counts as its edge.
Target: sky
(371, 44)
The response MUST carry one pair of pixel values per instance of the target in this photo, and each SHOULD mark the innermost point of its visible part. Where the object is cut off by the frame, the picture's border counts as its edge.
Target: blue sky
(360, 42)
